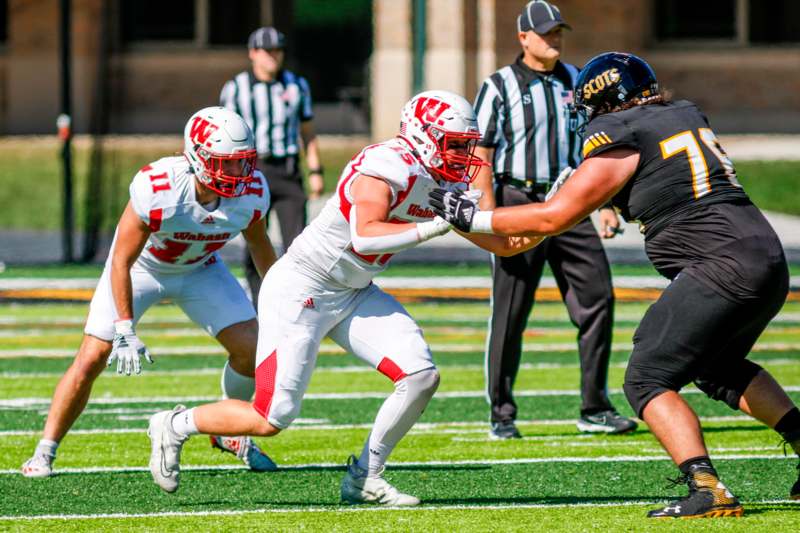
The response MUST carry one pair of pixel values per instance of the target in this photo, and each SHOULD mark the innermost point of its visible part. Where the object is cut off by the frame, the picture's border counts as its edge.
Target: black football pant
(288, 199)
(581, 270)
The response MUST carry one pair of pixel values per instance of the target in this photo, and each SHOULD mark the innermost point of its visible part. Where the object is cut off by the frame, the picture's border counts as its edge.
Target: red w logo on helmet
(429, 109)
(201, 130)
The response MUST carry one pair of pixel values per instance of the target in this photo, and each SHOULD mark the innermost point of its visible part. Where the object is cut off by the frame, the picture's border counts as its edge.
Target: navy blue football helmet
(611, 79)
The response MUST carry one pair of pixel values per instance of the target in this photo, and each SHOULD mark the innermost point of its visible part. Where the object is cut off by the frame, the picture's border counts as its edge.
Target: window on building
(739, 22)
(157, 20)
(3, 21)
(777, 21)
(690, 19)
(231, 21)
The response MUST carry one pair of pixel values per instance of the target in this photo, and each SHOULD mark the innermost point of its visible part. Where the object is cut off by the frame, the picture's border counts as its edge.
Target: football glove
(566, 173)
(455, 207)
(127, 349)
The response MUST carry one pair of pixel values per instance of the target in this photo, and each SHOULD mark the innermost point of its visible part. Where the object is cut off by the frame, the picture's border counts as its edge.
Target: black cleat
(504, 431)
(708, 498)
(793, 439)
(609, 421)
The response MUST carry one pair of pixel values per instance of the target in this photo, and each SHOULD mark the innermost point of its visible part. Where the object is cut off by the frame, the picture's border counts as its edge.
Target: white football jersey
(324, 248)
(184, 234)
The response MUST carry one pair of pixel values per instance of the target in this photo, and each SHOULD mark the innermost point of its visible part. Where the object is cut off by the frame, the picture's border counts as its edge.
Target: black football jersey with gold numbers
(681, 163)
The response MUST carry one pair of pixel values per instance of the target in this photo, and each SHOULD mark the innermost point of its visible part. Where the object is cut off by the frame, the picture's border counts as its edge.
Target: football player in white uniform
(323, 287)
(181, 211)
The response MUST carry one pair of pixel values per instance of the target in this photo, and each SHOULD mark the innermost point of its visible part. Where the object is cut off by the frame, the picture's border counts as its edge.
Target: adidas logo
(208, 220)
(309, 303)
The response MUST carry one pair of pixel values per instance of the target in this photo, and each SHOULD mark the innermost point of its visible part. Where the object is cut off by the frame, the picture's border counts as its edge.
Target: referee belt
(526, 186)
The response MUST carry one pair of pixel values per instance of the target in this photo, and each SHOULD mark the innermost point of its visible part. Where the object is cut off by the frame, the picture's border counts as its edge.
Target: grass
(554, 479)
(31, 176)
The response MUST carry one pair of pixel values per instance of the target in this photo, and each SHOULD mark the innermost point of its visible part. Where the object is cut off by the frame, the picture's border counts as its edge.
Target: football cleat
(609, 421)
(357, 488)
(504, 431)
(165, 454)
(40, 465)
(247, 450)
(708, 498)
(792, 439)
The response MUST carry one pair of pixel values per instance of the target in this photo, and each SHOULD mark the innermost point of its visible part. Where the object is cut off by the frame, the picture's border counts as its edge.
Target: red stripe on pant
(265, 384)
(388, 368)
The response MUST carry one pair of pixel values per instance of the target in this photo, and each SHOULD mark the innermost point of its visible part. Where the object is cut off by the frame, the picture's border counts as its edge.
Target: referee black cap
(541, 17)
(266, 38)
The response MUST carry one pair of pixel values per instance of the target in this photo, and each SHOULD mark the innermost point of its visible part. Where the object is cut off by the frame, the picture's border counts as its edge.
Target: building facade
(143, 66)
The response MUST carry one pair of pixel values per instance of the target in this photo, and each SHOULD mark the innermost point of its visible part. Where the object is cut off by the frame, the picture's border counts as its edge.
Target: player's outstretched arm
(132, 234)
(372, 233)
(260, 246)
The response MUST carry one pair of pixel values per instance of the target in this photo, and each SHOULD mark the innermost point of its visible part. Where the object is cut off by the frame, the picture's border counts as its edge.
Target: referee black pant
(581, 270)
(288, 199)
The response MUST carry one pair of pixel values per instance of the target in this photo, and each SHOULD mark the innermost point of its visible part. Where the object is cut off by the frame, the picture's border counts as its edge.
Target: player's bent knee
(640, 389)
(423, 383)
(92, 357)
(729, 384)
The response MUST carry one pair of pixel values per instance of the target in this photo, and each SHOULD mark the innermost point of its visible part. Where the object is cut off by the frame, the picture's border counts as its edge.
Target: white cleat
(358, 488)
(40, 465)
(246, 450)
(165, 454)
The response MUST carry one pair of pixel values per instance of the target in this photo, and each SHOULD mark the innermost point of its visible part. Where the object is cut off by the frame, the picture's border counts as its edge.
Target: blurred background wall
(143, 66)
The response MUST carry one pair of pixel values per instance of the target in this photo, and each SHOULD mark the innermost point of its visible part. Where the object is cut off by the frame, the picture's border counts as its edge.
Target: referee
(530, 136)
(276, 104)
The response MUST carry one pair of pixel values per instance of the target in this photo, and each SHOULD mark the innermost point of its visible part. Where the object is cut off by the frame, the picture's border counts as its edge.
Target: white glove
(566, 173)
(127, 349)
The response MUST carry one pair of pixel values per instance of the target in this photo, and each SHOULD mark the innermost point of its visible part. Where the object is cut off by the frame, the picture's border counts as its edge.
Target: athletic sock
(235, 385)
(183, 423)
(396, 416)
(46, 447)
(790, 422)
(701, 463)
(789, 428)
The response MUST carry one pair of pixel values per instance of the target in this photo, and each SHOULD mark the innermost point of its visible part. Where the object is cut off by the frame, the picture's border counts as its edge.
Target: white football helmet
(442, 129)
(221, 149)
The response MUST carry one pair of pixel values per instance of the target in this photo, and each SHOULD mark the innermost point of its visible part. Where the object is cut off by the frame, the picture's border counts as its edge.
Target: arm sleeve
(306, 111)
(489, 110)
(605, 133)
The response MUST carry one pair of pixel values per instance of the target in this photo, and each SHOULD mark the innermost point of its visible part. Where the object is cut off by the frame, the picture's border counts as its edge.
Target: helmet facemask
(455, 159)
(227, 174)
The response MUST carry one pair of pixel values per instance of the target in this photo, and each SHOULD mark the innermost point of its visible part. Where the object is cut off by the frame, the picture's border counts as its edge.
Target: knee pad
(729, 384)
(639, 389)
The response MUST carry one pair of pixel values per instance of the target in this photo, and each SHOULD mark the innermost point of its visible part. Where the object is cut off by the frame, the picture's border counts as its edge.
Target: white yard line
(332, 349)
(466, 462)
(319, 424)
(38, 402)
(363, 369)
(342, 509)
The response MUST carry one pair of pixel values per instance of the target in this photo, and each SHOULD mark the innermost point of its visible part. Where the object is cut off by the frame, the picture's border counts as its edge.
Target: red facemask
(228, 174)
(456, 163)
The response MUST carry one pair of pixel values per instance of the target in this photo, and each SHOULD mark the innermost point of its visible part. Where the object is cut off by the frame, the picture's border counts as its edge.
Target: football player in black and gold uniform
(661, 165)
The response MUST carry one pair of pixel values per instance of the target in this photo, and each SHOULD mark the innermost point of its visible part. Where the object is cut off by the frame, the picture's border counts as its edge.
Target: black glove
(453, 206)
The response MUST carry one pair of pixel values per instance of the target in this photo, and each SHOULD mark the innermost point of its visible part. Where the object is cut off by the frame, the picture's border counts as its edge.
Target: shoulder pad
(605, 133)
(152, 189)
(390, 163)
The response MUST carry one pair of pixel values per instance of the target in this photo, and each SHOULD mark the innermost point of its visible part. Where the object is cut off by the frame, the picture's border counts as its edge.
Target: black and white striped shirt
(525, 116)
(273, 110)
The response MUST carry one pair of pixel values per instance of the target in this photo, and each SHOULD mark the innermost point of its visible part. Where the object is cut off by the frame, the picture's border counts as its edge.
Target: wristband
(318, 170)
(123, 327)
(482, 222)
(432, 228)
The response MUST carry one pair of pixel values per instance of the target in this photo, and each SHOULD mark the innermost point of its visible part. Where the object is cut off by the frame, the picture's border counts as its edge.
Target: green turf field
(554, 479)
